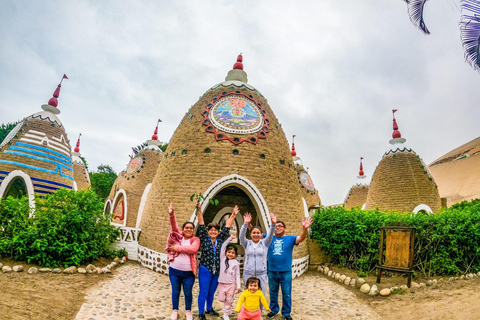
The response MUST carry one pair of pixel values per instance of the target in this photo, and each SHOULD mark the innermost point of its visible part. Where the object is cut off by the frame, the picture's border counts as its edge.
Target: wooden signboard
(396, 251)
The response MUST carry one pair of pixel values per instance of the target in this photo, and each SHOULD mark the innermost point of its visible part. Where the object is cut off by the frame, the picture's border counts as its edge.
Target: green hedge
(447, 243)
(68, 228)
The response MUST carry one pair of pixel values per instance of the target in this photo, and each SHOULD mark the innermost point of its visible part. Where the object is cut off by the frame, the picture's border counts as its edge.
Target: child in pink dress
(229, 278)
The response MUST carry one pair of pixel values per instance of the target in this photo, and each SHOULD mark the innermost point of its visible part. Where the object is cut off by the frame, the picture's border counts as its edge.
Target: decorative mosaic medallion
(236, 113)
(134, 165)
(11, 134)
(306, 181)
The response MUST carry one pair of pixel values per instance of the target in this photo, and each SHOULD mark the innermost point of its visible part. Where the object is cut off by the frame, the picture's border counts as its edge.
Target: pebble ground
(136, 292)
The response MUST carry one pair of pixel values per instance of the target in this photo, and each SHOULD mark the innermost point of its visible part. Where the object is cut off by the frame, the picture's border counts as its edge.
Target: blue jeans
(177, 279)
(208, 283)
(277, 279)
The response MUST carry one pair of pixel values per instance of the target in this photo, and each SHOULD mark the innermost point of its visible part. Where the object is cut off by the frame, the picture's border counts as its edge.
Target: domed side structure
(401, 182)
(357, 195)
(80, 172)
(457, 173)
(125, 198)
(229, 146)
(309, 193)
(35, 157)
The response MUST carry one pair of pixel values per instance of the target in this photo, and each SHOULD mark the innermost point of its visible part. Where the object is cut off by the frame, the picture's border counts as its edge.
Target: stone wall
(357, 196)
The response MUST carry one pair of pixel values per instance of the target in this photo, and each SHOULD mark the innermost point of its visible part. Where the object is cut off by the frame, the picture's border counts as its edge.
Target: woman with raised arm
(256, 250)
(182, 249)
(211, 240)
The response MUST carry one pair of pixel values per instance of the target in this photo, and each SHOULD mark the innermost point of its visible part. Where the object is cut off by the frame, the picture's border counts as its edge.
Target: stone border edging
(363, 286)
(70, 270)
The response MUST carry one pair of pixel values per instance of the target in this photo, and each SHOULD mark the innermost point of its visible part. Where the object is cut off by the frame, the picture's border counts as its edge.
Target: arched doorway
(235, 190)
(17, 188)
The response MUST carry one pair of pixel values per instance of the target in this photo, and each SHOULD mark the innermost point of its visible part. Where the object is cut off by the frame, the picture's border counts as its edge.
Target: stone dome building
(311, 200)
(128, 196)
(80, 172)
(230, 147)
(401, 182)
(357, 195)
(35, 157)
(457, 173)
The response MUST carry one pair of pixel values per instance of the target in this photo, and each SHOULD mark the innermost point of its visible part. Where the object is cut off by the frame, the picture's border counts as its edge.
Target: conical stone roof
(402, 182)
(80, 172)
(357, 195)
(229, 146)
(129, 191)
(38, 151)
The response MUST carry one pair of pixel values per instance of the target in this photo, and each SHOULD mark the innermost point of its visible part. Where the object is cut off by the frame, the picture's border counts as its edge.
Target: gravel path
(136, 292)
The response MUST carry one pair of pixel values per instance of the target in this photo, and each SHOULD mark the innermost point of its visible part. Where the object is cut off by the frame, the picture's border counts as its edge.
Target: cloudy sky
(332, 71)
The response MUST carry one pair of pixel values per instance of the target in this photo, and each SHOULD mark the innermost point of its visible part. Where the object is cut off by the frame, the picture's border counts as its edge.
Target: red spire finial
(294, 153)
(77, 148)
(396, 133)
(53, 101)
(360, 173)
(238, 65)
(155, 137)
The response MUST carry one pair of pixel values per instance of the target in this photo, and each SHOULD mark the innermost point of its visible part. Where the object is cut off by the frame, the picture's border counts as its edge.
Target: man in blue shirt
(280, 255)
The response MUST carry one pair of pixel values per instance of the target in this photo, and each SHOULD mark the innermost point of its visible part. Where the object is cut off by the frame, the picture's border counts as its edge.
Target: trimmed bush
(446, 243)
(68, 228)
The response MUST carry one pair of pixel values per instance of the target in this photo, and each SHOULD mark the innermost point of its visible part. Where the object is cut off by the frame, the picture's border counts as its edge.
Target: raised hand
(235, 211)
(307, 222)
(247, 218)
(273, 218)
(170, 208)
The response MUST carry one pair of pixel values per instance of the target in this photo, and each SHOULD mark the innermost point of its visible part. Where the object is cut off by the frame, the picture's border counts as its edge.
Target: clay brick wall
(134, 184)
(181, 174)
(400, 182)
(80, 174)
(357, 196)
(51, 129)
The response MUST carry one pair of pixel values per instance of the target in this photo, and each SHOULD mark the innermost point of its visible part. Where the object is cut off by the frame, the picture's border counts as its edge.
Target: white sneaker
(174, 315)
(225, 317)
(189, 315)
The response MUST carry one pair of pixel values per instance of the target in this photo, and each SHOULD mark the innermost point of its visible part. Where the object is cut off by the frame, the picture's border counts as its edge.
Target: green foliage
(5, 129)
(163, 147)
(102, 181)
(446, 243)
(199, 197)
(68, 228)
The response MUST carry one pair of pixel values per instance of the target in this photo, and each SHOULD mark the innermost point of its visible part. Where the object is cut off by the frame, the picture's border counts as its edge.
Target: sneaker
(174, 315)
(287, 318)
(225, 317)
(201, 316)
(189, 315)
(271, 315)
(212, 312)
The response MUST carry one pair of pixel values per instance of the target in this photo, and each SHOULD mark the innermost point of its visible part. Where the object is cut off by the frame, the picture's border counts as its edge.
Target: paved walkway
(136, 292)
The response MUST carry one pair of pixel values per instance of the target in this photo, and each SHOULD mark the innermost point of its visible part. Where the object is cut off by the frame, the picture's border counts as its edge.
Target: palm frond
(415, 12)
(470, 31)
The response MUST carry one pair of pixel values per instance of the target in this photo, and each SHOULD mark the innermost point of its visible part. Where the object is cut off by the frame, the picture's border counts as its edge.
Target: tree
(102, 180)
(5, 129)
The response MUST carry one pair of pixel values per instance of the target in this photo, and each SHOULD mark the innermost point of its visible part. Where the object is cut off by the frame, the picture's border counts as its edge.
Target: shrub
(68, 228)
(446, 243)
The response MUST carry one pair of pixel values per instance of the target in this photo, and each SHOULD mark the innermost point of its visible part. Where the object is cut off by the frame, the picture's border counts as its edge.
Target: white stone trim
(153, 260)
(305, 208)
(28, 183)
(74, 187)
(105, 206)
(247, 186)
(121, 191)
(143, 201)
(299, 266)
(421, 207)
